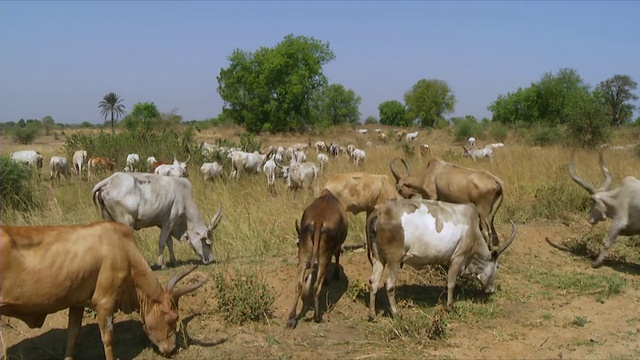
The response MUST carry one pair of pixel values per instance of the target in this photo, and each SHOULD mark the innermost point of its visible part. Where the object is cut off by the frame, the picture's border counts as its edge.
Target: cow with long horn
(621, 205)
(426, 232)
(448, 182)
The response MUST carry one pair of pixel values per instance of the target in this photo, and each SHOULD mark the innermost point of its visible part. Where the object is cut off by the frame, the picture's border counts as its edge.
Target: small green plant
(357, 290)
(249, 143)
(579, 321)
(243, 296)
(408, 149)
(420, 326)
(16, 189)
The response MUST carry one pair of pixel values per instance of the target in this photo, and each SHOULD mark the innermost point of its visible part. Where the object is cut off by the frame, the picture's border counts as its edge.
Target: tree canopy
(112, 105)
(393, 113)
(335, 105)
(428, 101)
(272, 88)
(616, 93)
(143, 116)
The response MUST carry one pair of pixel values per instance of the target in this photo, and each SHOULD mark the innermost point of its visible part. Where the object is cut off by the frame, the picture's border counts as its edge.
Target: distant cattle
(96, 163)
(58, 165)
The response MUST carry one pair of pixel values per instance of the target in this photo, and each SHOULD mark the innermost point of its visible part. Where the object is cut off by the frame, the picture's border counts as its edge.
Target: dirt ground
(532, 323)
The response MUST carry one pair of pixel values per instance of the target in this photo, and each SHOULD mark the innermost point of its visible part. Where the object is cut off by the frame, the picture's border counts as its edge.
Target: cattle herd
(442, 215)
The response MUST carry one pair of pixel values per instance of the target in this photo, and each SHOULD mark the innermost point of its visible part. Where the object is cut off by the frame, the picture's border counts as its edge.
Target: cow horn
(395, 172)
(579, 180)
(509, 241)
(215, 220)
(608, 179)
(406, 167)
(174, 280)
(185, 290)
(188, 158)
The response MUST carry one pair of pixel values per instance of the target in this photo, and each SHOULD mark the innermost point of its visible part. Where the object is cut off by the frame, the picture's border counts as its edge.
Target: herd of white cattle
(442, 215)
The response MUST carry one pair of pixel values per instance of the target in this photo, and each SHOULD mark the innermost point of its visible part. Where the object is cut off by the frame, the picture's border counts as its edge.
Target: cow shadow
(581, 250)
(332, 291)
(129, 340)
(409, 295)
(184, 339)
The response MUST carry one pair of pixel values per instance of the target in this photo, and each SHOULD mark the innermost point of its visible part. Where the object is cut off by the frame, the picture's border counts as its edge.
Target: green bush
(545, 136)
(467, 128)
(16, 190)
(243, 296)
(557, 201)
(499, 132)
(25, 135)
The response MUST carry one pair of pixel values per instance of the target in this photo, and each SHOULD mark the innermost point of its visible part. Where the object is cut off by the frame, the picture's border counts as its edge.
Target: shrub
(545, 136)
(499, 132)
(466, 128)
(25, 135)
(243, 297)
(16, 190)
(558, 200)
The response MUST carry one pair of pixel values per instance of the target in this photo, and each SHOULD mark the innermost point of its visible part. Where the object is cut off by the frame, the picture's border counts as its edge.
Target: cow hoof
(370, 318)
(291, 324)
(596, 264)
(317, 319)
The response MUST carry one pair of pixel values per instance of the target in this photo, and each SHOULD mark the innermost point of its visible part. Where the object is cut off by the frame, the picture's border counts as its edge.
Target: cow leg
(336, 273)
(165, 238)
(613, 234)
(374, 283)
(75, 323)
(323, 261)
(454, 270)
(393, 270)
(293, 321)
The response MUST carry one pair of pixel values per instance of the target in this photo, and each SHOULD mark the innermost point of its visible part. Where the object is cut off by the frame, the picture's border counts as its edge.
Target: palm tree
(111, 104)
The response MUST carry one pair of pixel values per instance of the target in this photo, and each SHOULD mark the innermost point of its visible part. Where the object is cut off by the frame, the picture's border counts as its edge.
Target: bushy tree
(16, 190)
(588, 122)
(335, 105)
(47, 124)
(616, 93)
(428, 101)
(520, 105)
(272, 88)
(143, 117)
(370, 120)
(393, 113)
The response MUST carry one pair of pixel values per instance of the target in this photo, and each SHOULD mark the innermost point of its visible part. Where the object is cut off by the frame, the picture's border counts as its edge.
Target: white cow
(320, 146)
(362, 131)
(496, 145)
(475, 154)
(358, 156)
(132, 163)
(28, 157)
(177, 169)
(300, 175)
(472, 142)
(150, 161)
(299, 157)
(323, 160)
(411, 136)
(244, 161)
(79, 159)
(58, 165)
(141, 200)
(269, 168)
(211, 170)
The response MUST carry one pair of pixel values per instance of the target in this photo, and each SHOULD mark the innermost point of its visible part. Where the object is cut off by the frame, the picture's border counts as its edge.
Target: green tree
(112, 105)
(393, 113)
(553, 93)
(513, 107)
(616, 93)
(428, 101)
(370, 120)
(144, 116)
(588, 120)
(47, 124)
(273, 88)
(335, 105)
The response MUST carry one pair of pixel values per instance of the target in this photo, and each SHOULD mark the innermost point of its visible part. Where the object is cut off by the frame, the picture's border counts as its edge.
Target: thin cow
(46, 269)
(141, 200)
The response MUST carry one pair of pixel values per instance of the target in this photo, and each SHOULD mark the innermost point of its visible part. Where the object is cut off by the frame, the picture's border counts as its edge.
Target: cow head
(487, 273)
(405, 184)
(598, 208)
(160, 318)
(201, 240)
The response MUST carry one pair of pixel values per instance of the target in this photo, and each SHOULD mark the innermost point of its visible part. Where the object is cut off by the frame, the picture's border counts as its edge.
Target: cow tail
(371, 233)
(500, 193)
(98, 201)
(317, 233)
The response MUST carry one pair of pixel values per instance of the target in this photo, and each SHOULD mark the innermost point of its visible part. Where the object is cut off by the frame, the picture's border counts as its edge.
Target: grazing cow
(299, 157)
(59, 165)
(320, 146)
(350, 149)
(244, 161)
(46, 269)
(401, 135)
(29, 157)
(323, 160)
(176, 169)
(299, 175)
(474, 154)
(211, 171)
(425, 150)
(334, 150)
(360, 192)
(79, 159)
(411, 136)
(321, 232)
(621, 205)
(98, 163)
(151, 160)
(426, 232)
(141, 200)
(132, 163)
(472, 142)
(383, 137)
(444, 181)
(358, 156)
(362, 131)
(208, 150)
(496, 145)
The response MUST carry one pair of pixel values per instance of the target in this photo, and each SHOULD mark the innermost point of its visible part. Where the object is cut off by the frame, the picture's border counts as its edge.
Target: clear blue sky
(61, 58)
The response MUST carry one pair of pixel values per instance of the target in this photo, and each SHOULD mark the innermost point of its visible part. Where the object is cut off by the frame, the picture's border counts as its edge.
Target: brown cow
(99, 162)
(361, 191)
(448, 182)
(46, 269)
(322, 231)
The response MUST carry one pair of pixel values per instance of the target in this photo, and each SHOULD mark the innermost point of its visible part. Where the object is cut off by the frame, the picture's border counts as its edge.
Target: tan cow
(98, 163)
(448, 182)
(360, 192)
(46, 269)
